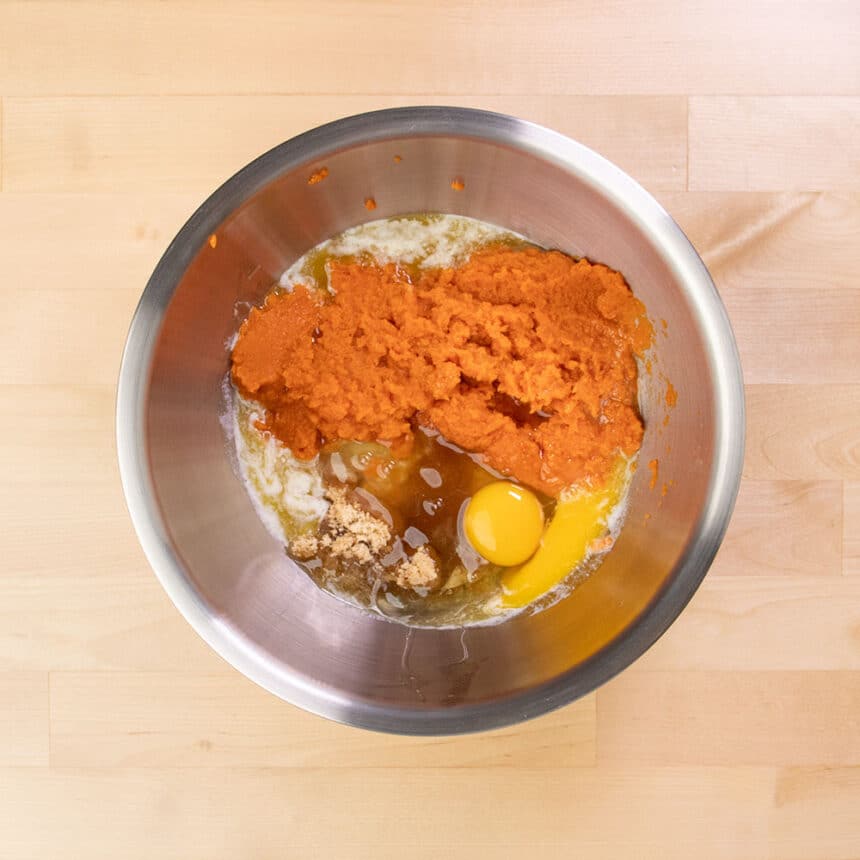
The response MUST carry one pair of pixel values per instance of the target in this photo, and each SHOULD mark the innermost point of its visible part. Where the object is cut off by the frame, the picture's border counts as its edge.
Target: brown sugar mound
(352, 534)
(524, 356)
(349, 533)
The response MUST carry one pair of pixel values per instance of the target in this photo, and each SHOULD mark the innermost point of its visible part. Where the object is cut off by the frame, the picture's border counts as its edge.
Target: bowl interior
(233, 580)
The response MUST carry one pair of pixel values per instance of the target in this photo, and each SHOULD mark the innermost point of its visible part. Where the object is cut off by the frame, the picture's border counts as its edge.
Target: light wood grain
(828, 797)
(759, 623)
(774, 144)
(730, 718)
(122, 735)
(90, 530)
(88, 453)
(81, 335)
(796, 346)
(805, 432)
(87, 241)
(191, 719)
(851, 527)
(271, 813)
(784, 527)
(745, 238)
(81, 621)
(491, 47)
(24, 718)
(196, 142)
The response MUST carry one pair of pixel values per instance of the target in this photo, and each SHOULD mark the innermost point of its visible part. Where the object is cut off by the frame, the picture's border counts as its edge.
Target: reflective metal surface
(233, 582)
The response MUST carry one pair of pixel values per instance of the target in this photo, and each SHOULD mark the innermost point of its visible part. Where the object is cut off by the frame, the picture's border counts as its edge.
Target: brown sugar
(304, 546)
(526, 357)
(353, 534)
(350, 534)
(347, 532)
(419, 571)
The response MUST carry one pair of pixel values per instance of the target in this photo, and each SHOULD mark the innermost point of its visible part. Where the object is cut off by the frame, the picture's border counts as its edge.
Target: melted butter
(288, 493)
(413, 242)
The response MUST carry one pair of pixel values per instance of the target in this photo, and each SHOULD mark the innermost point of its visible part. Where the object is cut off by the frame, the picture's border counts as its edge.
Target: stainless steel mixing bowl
(233, 581)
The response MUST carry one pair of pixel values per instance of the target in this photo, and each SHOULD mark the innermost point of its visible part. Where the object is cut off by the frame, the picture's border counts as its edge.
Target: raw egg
(579, 521)
(504, 523)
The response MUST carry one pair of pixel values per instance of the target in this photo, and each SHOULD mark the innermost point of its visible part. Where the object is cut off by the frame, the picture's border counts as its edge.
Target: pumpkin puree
(524, 356)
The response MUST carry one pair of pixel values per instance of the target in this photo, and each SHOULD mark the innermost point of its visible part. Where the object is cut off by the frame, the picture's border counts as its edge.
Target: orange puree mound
(524, 356)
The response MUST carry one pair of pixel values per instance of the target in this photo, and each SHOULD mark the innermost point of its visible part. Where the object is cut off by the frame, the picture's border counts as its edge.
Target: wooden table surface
(123, 736)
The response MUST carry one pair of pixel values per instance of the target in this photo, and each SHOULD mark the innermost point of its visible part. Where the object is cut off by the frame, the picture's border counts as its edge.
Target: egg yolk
(504, 523)
(579, 519)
